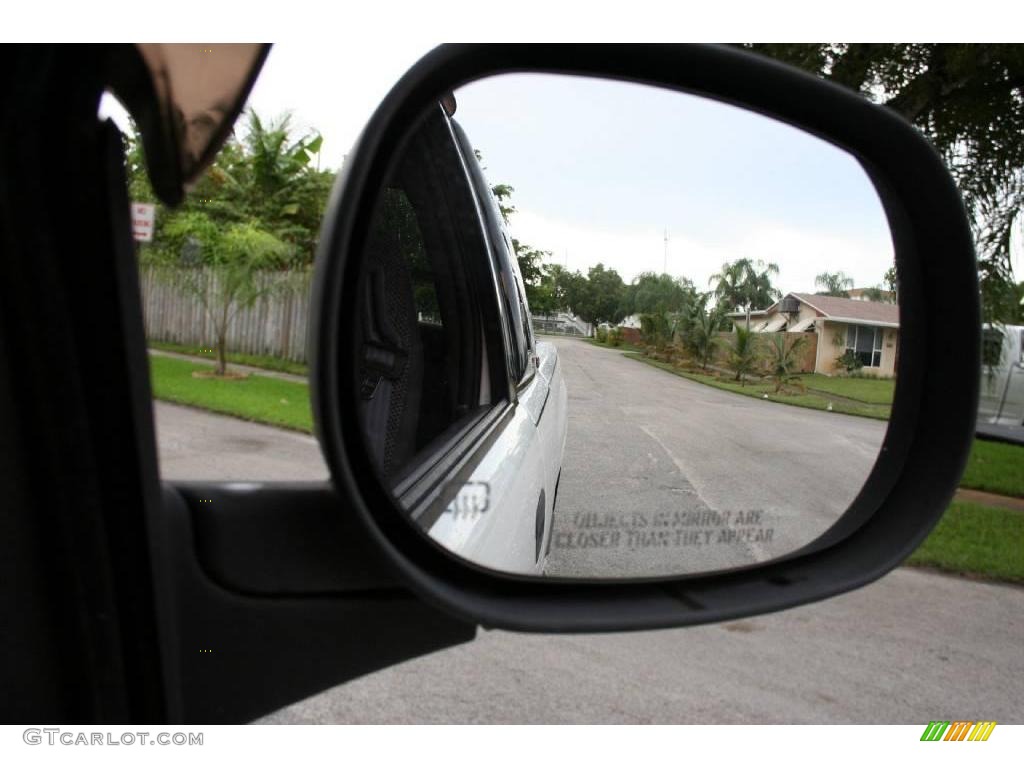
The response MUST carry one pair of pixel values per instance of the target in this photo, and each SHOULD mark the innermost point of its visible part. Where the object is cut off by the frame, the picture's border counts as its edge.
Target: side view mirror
(754, 424)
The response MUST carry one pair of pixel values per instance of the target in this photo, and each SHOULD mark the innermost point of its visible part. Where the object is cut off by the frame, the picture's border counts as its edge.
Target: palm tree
(729, 283)
(745, 284)
(278, 183)
(834, 283)
(743, 354)
(275, 158)
(784, 360)
(760, 291)
(701, 338)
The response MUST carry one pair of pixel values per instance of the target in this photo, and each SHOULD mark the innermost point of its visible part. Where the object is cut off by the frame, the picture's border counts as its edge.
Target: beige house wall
(806, 313)
(828, 350)
(890, 351)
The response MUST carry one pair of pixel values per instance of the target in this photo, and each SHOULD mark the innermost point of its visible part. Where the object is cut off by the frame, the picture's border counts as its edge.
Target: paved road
(196, 445)
(912, 647)
(663, 475)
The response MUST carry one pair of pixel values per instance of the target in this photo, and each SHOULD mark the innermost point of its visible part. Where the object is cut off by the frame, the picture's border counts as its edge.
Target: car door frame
(138, 603)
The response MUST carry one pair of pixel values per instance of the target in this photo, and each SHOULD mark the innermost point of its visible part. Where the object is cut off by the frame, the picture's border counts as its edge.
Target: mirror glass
(607, 330)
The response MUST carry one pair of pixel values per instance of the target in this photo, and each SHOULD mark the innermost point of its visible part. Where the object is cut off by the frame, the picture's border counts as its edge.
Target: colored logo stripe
(982, 731)
(934, 730)
(959, 730)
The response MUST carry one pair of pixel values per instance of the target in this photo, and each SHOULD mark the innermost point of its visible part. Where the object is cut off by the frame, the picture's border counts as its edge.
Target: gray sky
(601, 169)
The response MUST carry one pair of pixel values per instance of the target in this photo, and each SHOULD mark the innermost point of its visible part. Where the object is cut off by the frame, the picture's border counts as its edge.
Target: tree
(266, 178)
(570, 289)
(272, 176)
(729, 284)
(889, 278)
(760, 291)
(835, 284)
(879, 294)
(503, 194)
(602, 296)
(662, 294)
(256, 211)
(539, 294)
(743, 355)
(784, 360)
(701, 336)
(234, 262)
(967, 100)
(744, 284)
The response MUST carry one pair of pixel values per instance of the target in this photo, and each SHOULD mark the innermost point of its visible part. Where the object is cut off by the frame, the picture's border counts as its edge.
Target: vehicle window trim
(426, 493)
(496, 236)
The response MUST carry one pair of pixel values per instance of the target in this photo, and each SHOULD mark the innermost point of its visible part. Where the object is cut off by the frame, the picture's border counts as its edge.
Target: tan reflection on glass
(201, 84)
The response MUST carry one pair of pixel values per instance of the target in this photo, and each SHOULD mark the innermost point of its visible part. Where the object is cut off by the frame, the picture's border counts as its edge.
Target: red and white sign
(143, 218)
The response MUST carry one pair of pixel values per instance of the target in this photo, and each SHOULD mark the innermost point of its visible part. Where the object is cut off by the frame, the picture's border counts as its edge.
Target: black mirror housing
(932, 422)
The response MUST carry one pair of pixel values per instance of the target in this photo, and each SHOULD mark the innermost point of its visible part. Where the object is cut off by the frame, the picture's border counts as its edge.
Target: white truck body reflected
(502, 517)
(1002, 376)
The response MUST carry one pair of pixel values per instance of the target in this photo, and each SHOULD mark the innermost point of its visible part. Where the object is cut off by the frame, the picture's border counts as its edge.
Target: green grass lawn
(256, 398)
(809, 399)
(996, 468)
(976, 540)
(257, 361)
(865, 390)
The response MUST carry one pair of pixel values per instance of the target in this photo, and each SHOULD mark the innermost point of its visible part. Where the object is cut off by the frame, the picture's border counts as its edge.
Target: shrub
(849, 361)
(602, 336)
(615, 337)
(743, 354)
(784, 361)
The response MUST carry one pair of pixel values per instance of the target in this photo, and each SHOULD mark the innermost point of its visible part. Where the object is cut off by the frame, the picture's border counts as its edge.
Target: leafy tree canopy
(652, 293)
(265, 180)
(834, 284)
(744, 284)
(968, 100)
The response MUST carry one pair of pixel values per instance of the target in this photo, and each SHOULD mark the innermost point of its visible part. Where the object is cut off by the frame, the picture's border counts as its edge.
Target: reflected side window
(505, 261)
(426, 342)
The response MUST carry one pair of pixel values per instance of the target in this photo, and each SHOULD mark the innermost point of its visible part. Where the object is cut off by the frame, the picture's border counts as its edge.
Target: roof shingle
(852, 309)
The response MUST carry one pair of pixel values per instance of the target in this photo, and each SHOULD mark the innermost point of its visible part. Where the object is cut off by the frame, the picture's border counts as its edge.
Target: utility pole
(664, 263)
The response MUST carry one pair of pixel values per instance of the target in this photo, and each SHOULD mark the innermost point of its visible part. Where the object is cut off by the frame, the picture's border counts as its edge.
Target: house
(869, 328)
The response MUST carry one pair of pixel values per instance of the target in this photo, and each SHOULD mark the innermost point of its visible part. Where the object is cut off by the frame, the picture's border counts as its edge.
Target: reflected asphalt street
(664, 475)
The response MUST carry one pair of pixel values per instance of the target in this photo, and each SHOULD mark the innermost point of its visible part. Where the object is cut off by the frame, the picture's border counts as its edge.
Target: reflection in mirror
(607, 331)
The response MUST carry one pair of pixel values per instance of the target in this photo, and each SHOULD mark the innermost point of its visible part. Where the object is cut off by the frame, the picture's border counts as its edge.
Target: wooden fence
(275, 325)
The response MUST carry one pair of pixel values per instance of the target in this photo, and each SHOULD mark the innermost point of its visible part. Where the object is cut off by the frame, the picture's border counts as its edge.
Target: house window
(865, 341)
